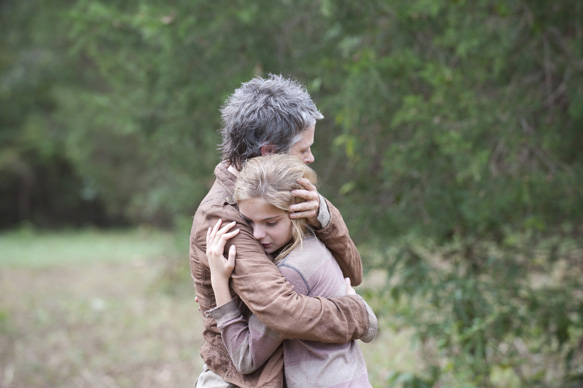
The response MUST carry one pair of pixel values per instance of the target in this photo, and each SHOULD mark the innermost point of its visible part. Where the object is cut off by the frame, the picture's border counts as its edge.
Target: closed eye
(247, 220)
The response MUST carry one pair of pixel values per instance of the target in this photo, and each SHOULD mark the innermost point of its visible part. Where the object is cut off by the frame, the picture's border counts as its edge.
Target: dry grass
(101, 323)
(97, 325)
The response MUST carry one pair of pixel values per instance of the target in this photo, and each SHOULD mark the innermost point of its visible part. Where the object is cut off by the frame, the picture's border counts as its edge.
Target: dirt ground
(96, 325)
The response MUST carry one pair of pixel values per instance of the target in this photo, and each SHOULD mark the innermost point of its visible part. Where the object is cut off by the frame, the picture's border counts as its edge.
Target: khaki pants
(209, 379)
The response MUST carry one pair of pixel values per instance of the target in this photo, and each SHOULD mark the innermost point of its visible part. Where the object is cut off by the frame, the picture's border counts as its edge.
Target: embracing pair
(269, 255)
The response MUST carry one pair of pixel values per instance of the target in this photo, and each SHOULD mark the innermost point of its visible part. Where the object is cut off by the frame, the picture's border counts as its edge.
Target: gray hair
(273, 111)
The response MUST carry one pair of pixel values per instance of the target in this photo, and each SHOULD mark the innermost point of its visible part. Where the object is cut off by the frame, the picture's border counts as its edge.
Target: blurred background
(452, 144)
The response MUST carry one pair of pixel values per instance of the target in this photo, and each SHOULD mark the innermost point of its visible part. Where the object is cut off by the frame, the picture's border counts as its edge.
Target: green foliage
(462, 113)
(456, 112)
(488, 315)
(37, 181)
(407, 380)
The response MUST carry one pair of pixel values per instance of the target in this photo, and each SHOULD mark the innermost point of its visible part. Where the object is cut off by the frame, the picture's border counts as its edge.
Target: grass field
(115, 309)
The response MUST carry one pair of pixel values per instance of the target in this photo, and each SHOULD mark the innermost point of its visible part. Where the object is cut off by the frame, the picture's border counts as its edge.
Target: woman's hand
(310, 207)
(221, 268)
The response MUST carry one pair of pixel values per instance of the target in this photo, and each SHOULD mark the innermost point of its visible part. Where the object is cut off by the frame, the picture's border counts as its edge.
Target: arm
(336, 237)
(334, 233)
(271, 298)
(374, 323)
(220, 267)
(249, 344)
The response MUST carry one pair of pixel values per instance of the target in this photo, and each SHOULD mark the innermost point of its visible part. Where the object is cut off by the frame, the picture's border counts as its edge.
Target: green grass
(28, 248)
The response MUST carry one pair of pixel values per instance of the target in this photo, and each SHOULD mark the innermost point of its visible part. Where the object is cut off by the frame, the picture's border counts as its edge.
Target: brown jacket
(263, 289)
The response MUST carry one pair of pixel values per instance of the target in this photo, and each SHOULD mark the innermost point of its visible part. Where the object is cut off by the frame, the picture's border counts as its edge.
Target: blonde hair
(272, 178)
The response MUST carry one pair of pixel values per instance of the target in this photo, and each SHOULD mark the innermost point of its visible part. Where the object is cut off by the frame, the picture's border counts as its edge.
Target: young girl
(263, 194)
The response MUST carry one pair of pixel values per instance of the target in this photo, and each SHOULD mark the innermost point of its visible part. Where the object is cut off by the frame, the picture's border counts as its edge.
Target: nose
(258, 233)
(309, 157)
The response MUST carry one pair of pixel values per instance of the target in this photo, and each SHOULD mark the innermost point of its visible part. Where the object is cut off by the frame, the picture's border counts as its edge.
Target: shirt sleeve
(373, 328)
(249, 343)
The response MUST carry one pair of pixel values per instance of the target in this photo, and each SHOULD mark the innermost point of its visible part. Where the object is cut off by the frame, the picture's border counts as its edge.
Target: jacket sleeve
(249, 343)
(264, 290)
(373, 327)
(337, 239)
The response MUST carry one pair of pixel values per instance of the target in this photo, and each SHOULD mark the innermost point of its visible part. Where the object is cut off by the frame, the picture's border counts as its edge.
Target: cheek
(286, 232)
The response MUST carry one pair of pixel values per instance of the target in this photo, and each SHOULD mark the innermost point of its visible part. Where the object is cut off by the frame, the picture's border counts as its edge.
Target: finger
(310, 200)
(224, 238)
(310, 214)
(217, 233)
(305, 194)
(219, 238)
(226, 228)
(305, 206)
(218, 245)
(305, 209)
(306, 184)
(218, 224)
(227, 236)
(231, 259)
(214, 231)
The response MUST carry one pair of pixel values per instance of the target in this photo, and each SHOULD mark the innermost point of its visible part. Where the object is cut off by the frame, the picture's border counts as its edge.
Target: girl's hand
(221, 267)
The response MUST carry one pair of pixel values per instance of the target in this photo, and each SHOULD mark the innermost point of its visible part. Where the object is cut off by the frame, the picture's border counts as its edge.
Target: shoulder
(311, 246)
(307, 256)
(220, 196)
(217, 204)
(309, 268)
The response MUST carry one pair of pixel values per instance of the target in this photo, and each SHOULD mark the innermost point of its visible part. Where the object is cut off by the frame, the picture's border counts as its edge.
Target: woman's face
(272, 227)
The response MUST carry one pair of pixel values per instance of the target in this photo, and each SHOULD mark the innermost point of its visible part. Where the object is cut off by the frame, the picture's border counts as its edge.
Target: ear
(268, 149)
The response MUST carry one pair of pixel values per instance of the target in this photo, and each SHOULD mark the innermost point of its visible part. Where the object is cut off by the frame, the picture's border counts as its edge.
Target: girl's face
(272, 227)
